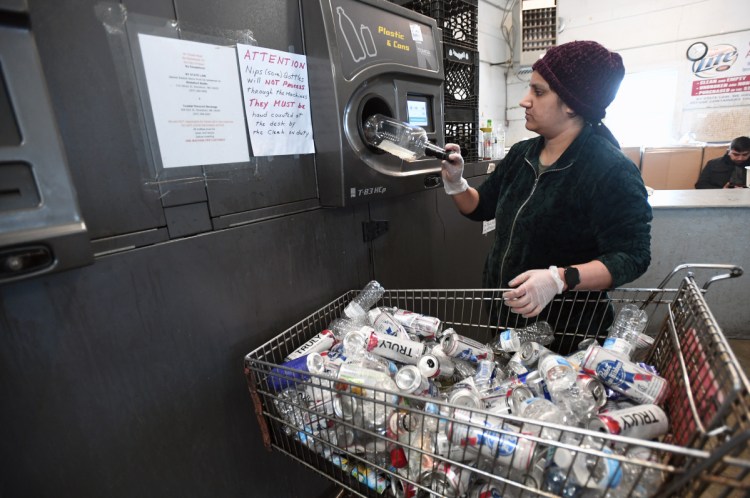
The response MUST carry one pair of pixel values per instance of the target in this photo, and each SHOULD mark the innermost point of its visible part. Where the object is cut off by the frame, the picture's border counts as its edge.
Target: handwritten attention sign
(277, 101)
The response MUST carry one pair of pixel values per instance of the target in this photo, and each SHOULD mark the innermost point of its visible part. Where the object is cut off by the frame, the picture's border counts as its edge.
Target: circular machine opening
(370, 106)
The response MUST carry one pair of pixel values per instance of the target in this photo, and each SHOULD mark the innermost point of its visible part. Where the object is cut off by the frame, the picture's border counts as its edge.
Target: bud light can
(458, 346)
(422, 325)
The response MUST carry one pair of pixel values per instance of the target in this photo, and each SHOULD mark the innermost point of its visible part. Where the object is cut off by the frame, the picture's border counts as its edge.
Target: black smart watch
(572, 277)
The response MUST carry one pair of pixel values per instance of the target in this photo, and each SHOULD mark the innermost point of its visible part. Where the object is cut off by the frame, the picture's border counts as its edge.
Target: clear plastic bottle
(342, 326)
(557, 372)
(510, 340)
(623, 335)
(590, 469)
(409, 142)
(544, 410)
(366, 299)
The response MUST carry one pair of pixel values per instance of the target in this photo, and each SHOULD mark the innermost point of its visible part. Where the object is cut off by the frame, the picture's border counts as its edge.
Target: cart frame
(705, 453)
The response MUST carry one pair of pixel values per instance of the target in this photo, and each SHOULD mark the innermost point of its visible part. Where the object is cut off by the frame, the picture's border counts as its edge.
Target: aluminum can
(422, 325)
(485, 369)
(285, 377)
(400, 423)
(401, 488)
(346, 407)
(509, 402)
(510, 451)
(530, 352)
(446, 480)
(436, 365)
(465, 397)
(464, 348)
(382, 321)
(595, 387)
(534, 381)
(320, 342)
(641, 421)
(624, 376)
(410, 381)
(395, 348)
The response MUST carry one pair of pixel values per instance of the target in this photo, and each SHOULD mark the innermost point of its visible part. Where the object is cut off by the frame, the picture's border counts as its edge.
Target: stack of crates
(458, 20)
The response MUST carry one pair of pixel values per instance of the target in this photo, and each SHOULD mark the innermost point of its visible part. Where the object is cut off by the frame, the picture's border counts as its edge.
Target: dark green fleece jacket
(591, 204)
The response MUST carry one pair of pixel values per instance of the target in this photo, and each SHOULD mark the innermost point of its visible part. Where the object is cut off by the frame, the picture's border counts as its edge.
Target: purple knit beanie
(584, 74)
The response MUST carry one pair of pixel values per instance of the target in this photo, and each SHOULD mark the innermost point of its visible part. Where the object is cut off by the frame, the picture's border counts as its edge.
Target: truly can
(594, 386)
(641, 421)
(320, 342)
(492, 439)
(422, 325)
(395, 348)
(459, 346)
(624, 376)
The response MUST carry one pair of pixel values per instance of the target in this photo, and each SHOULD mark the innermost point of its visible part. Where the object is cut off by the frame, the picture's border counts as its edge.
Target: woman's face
(546, 113)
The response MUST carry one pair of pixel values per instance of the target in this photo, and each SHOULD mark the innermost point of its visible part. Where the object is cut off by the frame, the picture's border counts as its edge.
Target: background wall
(649, 35)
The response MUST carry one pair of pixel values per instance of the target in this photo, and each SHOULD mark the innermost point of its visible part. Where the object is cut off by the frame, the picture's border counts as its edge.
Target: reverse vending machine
(369, 57)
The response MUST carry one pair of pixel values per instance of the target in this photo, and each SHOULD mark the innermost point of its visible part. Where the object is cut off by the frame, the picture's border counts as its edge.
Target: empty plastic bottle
(409, 142)
(510, 340)
(623, 335)
(342, 326)
(544, 410)
(590, 469)
(366, 299)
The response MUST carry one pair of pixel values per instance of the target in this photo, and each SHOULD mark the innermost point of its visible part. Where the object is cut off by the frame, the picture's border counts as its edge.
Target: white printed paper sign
(195, 100)
(277, 101)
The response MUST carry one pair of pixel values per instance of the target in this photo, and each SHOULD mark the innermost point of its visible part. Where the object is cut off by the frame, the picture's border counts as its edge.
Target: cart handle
(734, 272)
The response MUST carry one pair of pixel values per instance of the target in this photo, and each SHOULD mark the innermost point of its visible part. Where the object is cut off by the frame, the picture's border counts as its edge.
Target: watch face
(696, 51)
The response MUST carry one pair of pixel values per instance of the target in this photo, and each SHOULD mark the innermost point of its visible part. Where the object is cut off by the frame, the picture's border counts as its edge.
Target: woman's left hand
(534, 289)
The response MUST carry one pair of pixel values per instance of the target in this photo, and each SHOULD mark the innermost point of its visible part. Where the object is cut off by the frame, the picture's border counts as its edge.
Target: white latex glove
(453, 170)
(534, 289)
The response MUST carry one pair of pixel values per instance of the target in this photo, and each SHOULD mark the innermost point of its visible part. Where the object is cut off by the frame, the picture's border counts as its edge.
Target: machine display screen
(418, 111)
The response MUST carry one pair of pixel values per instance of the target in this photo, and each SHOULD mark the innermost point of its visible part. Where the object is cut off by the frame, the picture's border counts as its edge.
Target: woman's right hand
(453, 170)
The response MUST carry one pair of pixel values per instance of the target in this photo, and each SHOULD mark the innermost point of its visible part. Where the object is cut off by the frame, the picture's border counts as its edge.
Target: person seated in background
(727, 171)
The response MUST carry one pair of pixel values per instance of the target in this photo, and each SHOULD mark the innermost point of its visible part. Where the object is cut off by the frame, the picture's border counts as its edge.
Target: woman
(571, 211)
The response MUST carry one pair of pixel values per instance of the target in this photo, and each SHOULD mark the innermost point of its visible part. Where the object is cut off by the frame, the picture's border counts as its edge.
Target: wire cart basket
(331, 427)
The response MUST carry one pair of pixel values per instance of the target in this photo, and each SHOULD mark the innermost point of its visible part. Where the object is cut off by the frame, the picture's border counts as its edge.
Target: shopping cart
(336, 429)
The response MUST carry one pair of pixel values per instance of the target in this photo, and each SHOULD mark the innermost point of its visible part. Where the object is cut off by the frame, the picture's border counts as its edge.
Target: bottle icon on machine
(351, 35)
